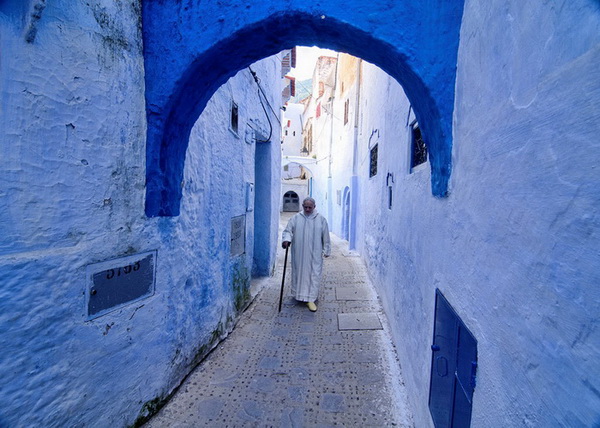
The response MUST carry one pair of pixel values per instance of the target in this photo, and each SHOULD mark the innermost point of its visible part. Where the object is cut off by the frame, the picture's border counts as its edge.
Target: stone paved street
(297, 368)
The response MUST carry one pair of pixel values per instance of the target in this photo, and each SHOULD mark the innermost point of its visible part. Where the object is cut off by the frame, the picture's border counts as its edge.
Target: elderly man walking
(308, 234)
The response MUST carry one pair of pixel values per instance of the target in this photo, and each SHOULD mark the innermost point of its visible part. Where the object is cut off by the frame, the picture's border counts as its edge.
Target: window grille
(234, 117)
(419, 148)
(373, 161)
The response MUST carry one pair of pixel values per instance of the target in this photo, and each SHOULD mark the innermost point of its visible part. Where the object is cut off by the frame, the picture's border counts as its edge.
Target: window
(373, 161)
(234, 117)
(318, 112)
(294, 133)
(418, 146)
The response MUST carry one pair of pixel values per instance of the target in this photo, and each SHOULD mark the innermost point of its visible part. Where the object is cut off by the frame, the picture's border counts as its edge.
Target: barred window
(234, 117)
(419, 148)
(373, 161)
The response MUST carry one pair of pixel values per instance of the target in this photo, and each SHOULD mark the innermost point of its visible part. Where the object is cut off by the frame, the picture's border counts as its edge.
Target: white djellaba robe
(310, 242)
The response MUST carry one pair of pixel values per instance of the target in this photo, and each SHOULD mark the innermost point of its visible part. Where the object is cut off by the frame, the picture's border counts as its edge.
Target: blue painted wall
(191, 48)
(264, 208)
(72, 187)
(514, 247)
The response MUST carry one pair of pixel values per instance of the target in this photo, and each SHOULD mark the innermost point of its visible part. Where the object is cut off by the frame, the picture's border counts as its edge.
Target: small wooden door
(291, 202)
(453, 368)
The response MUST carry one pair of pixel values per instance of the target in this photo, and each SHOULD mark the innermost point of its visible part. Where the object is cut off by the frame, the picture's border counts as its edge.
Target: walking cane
(283, 279)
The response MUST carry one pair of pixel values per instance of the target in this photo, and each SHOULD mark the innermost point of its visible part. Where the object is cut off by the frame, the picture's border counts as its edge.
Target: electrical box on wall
(249, 196)
(115, 283)
(453, 368)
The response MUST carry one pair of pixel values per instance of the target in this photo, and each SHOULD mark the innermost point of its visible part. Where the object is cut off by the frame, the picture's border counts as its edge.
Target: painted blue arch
(190, 51)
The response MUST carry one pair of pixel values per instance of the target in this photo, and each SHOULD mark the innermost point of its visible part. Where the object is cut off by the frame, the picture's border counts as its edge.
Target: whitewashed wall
(292, 141)
(344, 135)
(514, 247)
(72, 177)
(294, 170)
(526, 178)
(395, 243)
(300, 187)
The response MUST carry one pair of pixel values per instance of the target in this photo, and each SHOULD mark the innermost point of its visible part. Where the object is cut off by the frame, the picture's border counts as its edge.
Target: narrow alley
(148, 149)
(297, 368)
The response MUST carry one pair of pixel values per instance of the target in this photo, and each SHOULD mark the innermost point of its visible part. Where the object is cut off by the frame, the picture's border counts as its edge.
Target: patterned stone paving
(297, 368)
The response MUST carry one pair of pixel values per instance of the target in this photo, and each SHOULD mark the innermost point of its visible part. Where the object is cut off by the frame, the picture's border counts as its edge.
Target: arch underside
(171, 115)
(298, 162)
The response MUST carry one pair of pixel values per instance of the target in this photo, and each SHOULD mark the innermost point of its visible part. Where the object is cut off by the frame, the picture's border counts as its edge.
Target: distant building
(299, 160)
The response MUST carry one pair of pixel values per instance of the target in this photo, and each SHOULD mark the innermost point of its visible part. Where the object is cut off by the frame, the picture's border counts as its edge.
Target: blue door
(453, 368)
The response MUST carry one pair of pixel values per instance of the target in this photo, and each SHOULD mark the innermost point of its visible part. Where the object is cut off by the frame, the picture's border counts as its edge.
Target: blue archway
(191, 50)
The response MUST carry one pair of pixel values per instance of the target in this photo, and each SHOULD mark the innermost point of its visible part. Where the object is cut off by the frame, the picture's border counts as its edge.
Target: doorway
(346, 215)
(291, 202)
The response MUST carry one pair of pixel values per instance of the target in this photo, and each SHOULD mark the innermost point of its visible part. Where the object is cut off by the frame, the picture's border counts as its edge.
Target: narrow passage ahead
(297, 368)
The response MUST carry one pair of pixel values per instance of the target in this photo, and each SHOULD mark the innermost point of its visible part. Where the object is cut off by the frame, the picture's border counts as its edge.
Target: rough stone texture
(295, 368)
(72, 184)
(514, 248)
(524, 235)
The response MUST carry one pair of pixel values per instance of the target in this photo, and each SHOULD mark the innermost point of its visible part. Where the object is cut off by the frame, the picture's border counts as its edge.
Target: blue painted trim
(179, 83)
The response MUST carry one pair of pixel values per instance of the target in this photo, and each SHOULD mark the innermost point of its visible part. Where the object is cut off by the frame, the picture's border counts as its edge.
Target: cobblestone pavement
(298, 368)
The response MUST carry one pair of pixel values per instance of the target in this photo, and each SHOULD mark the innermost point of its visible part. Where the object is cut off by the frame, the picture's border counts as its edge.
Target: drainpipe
(354, 179)
(329, 177)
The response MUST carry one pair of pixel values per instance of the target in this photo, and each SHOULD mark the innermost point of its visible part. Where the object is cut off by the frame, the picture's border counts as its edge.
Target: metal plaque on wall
(115, 283)
(238, 235)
